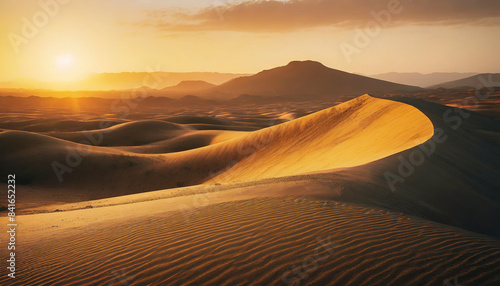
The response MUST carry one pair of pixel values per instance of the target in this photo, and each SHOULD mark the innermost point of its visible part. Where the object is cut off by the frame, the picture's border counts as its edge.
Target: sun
(66, 66)
(65, 62)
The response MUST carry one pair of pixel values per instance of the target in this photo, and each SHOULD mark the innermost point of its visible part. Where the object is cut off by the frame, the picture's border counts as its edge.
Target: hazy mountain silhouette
(302, 79)
(123, 80)
(477, 81)
(419, 79)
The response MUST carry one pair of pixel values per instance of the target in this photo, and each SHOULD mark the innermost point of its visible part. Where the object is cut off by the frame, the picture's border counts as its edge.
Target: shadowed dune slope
(125, 134)
(187, 141)
(451, 178)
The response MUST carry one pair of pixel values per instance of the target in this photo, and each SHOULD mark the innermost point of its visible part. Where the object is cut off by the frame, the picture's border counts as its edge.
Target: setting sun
(66, 68)
(65, 62)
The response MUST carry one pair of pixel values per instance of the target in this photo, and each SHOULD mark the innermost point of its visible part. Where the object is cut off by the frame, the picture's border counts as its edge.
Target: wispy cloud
(287, 16)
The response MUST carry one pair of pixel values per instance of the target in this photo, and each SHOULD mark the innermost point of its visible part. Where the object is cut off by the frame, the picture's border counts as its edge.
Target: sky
(66, 40)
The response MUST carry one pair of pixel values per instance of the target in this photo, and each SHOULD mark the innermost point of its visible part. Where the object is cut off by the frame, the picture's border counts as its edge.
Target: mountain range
(476, 81)
(419, 79)
(298, 80)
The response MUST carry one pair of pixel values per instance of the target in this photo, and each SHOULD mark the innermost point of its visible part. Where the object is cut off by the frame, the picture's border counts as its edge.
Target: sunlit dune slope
(350, 134)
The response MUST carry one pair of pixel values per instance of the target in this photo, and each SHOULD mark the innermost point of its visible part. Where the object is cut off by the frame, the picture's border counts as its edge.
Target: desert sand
(303, 202)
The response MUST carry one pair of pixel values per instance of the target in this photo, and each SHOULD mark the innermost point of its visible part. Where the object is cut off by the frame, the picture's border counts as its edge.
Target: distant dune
(39, 125)
(126, 134)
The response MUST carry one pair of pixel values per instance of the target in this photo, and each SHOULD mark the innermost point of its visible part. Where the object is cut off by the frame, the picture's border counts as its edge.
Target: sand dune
(187, 141)
(339, 141)
(125, 134)
(349, 134)
(338, 137)
(198, 120)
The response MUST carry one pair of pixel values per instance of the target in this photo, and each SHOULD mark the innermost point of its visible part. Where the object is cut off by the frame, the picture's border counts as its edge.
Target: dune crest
(350, 134)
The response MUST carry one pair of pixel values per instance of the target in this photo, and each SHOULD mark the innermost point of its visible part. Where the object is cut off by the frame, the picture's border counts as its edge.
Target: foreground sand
(243, 237)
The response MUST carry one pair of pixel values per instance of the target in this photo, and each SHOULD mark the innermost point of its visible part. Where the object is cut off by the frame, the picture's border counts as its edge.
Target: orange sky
(68, 39)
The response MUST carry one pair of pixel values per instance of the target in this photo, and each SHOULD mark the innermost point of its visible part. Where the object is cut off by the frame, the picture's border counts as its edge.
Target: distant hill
(124, 80)
(480, 80)
(157, 80)
(419, 79)
(303, 79)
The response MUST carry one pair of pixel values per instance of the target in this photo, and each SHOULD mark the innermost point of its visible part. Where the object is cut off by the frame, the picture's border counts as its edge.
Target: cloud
(287, 16)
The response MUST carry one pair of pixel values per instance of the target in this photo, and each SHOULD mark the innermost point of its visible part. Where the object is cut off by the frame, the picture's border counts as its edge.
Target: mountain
(419, 79)
(156, 80)
(480, 80)
(303, 79)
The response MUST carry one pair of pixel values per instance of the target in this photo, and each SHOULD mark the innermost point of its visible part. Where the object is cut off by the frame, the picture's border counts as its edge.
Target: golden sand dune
(350, 134)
